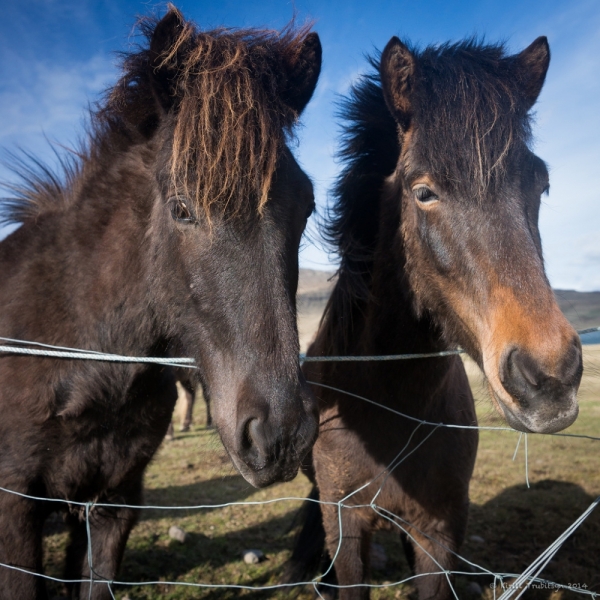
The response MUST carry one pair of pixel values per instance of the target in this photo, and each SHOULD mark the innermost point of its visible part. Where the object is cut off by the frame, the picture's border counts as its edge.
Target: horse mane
(466, 99)
(370, 150)
(38, 188)
(229, 119)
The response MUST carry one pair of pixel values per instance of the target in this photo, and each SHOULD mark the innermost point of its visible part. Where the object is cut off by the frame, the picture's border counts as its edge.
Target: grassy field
(510, 523)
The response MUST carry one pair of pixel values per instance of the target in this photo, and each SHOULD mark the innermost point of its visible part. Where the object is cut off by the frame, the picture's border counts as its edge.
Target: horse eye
(180, 211)
(424, 194)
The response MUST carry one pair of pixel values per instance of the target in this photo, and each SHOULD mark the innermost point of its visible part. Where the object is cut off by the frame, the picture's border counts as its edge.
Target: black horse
(174, 233)
(436, 224)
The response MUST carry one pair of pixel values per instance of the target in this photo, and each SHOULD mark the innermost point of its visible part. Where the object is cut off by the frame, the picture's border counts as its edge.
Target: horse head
(230, 207)
(469, 189)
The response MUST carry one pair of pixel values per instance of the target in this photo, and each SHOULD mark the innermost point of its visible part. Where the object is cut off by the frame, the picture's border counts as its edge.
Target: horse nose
(273, 431)
(542, 394)
(257, 448)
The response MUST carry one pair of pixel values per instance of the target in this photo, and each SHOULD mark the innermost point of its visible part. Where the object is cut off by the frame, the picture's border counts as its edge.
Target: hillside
(581, 308)
(314, 288)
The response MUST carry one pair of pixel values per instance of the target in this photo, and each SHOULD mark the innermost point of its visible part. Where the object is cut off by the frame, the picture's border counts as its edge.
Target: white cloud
(43, 100)
(568, 122)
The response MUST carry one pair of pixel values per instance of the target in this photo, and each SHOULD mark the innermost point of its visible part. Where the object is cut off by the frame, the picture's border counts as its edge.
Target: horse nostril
(570, 370)
(520, 366)
(256, 434)
(246, 441)
(543, 399)
(520, 375)
(253, 443)
(527, 382)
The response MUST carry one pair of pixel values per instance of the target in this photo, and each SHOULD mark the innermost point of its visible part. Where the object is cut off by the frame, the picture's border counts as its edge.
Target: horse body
(127, 257)
(73, 428)
(435, 222)
(419, 474)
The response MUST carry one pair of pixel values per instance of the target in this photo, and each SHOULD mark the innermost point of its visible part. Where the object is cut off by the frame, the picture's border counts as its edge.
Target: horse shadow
(208, 494)
(507, 533)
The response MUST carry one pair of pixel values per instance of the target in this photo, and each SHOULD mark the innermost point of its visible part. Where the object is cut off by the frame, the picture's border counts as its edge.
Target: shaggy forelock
(469, 115)
(230, 121)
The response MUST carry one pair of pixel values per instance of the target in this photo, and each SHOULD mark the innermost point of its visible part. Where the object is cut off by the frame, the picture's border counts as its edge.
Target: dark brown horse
(436, 224)
(175, 233)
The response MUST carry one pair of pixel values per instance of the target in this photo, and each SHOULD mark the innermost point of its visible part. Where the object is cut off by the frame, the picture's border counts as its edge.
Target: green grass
(517, 522)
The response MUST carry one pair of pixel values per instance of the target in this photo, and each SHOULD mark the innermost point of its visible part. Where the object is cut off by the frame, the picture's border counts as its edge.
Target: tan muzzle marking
(536, 327)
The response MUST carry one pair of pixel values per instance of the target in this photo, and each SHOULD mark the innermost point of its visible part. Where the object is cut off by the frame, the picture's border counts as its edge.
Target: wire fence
(511, 585)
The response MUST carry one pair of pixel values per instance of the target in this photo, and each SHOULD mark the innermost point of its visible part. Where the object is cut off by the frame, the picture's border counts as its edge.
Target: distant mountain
(314, 289)
(581, 308)
(583, 311)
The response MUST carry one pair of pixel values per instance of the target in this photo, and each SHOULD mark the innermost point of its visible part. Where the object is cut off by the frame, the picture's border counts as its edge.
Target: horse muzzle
(267, 452)
(275, 425)
(537, 399)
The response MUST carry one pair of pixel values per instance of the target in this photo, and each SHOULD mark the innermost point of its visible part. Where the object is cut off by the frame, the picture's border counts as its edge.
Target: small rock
(474, 589)
(477, 539)
(176, 533)
(378, 557)
(252, 557)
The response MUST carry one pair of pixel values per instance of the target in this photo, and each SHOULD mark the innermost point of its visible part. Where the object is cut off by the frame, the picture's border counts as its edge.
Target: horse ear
(397, 70)
(166, 35)
(531, 68)
(302, 73)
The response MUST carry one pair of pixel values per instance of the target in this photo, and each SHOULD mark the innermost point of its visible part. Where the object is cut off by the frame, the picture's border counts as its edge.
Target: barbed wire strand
(77, 353)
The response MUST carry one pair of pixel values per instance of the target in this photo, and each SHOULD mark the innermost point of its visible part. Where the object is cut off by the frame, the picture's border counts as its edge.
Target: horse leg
(353, 552)
(209, 421)
(433, 551)
(109, 529)
(189, 407)
(21, 524)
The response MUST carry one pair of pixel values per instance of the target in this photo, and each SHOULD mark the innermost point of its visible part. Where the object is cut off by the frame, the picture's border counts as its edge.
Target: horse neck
(392, 324)
(383, 321)
(95, 251)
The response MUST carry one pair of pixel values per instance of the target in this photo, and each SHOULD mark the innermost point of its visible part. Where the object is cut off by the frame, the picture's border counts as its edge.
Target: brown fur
(108, 259)
(435, 221)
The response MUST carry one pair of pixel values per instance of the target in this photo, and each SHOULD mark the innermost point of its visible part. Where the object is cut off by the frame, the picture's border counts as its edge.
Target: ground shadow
(520, 523)
(220, 490)
(505, 535)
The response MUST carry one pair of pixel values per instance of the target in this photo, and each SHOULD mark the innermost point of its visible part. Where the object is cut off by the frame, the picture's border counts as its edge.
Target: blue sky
(56, 57)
